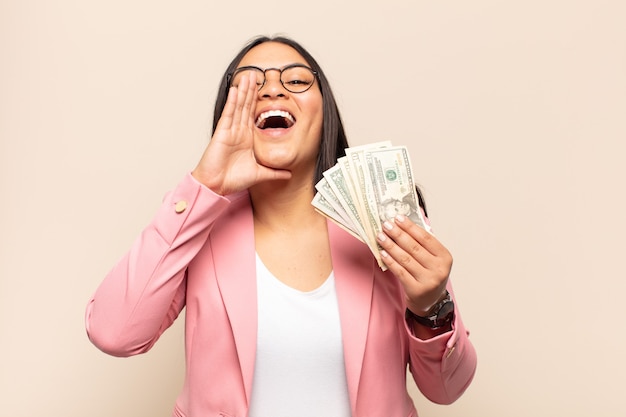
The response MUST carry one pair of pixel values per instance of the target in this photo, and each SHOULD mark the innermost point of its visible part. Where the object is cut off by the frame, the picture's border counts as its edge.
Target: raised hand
(418, 259)
(228, 164)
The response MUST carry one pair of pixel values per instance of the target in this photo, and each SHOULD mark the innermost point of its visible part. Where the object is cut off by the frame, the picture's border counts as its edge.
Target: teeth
(274, 113)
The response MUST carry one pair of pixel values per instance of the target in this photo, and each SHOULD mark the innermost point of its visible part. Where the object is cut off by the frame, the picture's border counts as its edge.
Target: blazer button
(180, 206)
(450, 351)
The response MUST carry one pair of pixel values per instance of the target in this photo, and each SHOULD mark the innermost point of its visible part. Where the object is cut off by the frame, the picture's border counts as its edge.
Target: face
(392, 209)
(288, 125)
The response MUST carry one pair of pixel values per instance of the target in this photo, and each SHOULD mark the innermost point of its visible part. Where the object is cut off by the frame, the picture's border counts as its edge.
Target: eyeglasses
(296, 78)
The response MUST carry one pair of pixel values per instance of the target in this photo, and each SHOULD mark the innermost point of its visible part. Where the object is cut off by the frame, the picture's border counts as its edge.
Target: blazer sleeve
(444, 366)
(144, 293)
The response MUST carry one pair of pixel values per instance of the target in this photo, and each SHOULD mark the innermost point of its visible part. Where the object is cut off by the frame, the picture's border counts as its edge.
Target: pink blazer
(198, 253)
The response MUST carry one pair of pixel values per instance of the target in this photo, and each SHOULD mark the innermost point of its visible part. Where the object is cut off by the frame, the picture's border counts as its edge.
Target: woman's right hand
(228, 164)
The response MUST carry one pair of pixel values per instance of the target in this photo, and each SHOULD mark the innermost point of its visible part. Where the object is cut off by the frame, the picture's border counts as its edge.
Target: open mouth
(275, 119)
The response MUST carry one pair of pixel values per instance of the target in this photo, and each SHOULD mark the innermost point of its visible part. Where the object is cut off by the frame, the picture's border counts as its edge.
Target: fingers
(417, 259)
(414, 249)
(240, 104)
(402, 261)
(250, 101)
(246, 99)
(414, 241)
(226, 119)
(270, 174)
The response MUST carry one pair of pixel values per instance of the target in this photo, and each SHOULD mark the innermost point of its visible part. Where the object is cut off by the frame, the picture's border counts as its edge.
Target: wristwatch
(439, 315)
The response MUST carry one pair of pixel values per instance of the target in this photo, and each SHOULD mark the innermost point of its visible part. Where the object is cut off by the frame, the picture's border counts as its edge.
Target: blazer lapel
(353, 267)
(232, 242)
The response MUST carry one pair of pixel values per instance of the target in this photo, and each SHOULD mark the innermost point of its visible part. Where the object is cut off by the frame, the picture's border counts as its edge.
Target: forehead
(272, 55)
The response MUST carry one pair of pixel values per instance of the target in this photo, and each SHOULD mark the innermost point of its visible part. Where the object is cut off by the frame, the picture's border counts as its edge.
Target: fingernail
(382, 237)
(384, 253)
(400, 218)
(388, 225)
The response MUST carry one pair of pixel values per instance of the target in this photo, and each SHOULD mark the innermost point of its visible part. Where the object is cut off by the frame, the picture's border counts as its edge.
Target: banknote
(364, 190)
(322, 205)
(394, 191)
(357, 192)
(353, 167)
(372, 184)
(326, 201)
(342, 190)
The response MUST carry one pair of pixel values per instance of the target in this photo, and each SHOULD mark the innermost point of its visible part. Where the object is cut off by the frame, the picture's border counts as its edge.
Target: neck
(284, 204)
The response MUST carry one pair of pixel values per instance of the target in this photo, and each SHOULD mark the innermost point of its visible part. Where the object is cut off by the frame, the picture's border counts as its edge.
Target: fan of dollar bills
(371, 184)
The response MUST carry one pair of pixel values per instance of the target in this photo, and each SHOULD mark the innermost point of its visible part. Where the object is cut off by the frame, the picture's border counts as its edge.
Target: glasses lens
(297, 79)
(241, 73)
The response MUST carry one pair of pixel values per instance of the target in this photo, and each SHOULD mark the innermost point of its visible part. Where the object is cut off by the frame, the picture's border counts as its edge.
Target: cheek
(315, 107)
(317, 125)
(312, 134)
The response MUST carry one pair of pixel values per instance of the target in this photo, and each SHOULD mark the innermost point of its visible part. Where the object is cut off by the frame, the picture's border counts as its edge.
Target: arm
(442, 361)
(443, 364)
(144, 293)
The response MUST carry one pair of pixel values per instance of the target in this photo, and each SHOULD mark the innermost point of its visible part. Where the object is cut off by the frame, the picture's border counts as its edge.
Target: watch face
(445, 312)
(443, 315)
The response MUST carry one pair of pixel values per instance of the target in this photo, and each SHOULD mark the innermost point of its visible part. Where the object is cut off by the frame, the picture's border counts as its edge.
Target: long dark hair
(334, 140)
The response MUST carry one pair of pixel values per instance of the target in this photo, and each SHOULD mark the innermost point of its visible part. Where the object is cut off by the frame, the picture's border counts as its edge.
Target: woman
(286, 314)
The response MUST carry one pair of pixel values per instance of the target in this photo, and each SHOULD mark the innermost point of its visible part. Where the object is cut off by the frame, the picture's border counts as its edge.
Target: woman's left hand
(418, 259)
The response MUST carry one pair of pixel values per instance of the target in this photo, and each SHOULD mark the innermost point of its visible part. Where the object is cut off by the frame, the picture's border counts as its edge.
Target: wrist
(438, 316)
(425, 312)
(208, 182)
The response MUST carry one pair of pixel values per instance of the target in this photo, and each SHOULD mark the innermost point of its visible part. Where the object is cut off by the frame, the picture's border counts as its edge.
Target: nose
(272, 87)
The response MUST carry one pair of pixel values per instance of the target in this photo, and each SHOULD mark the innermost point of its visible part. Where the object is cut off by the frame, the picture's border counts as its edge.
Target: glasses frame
(232, 75)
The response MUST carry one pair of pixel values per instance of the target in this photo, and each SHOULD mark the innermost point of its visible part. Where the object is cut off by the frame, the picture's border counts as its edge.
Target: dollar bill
(339, 185)
(322, 205)
(394, 189)
(364, 190)
(327, 202)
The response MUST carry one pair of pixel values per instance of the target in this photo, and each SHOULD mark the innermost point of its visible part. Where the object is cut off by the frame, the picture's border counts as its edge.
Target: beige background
(514, 112)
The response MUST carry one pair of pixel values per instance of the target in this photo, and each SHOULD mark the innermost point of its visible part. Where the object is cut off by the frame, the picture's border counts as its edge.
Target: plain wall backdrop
(514, 113)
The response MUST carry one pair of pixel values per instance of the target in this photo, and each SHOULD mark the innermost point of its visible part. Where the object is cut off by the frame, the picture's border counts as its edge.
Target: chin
(275, 159)
(288, 155)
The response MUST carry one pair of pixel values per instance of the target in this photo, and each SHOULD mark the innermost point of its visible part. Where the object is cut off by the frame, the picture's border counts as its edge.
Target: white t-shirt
(299, 369)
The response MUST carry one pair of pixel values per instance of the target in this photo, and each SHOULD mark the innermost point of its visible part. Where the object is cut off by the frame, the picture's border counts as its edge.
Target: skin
(277, 167)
